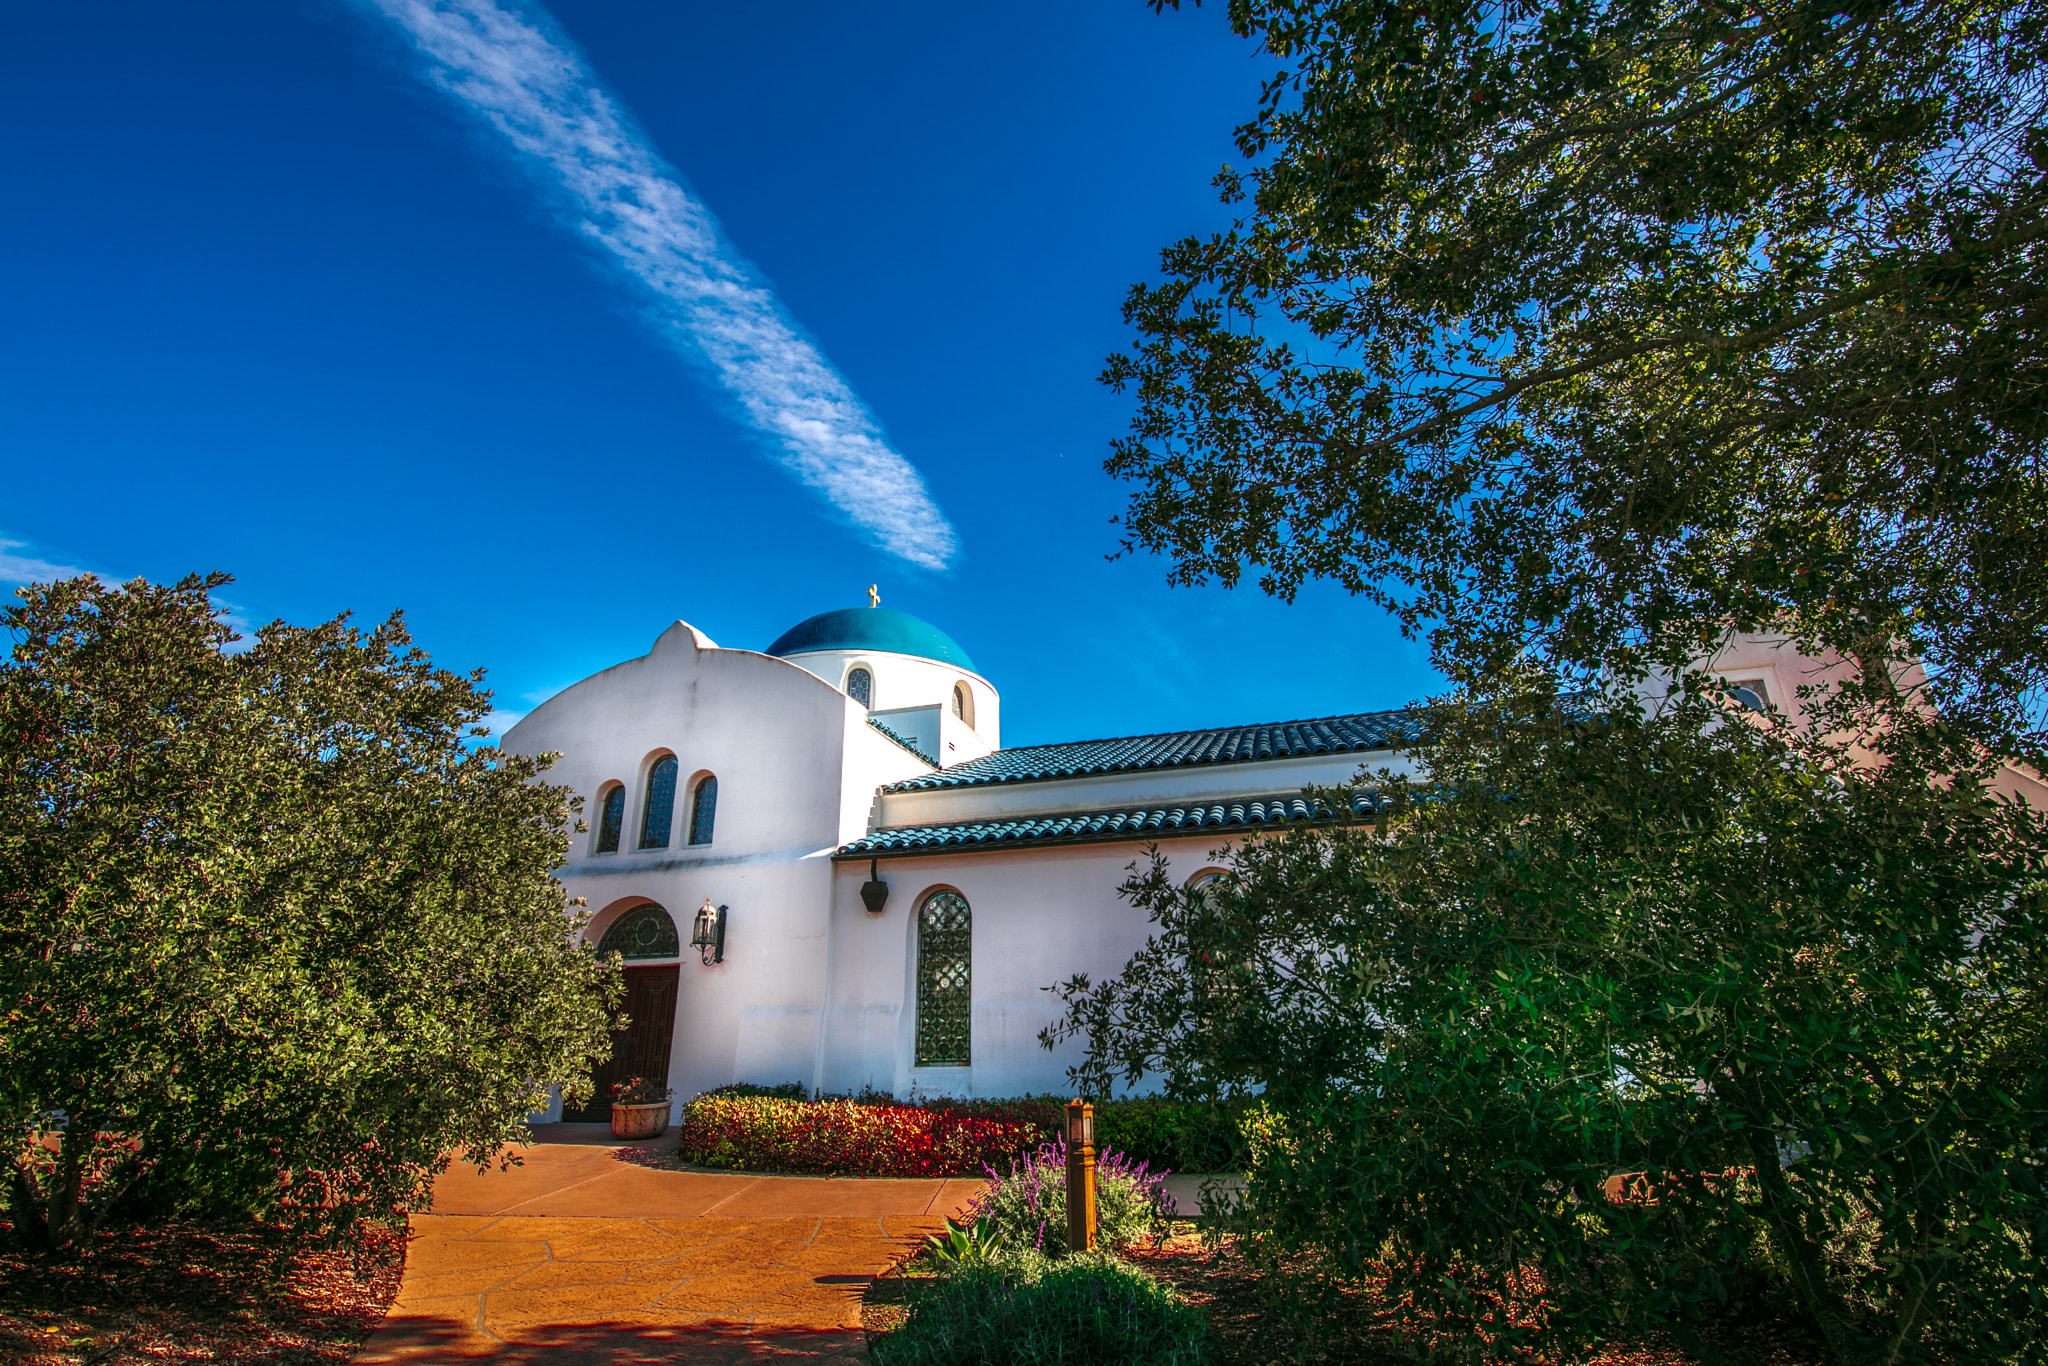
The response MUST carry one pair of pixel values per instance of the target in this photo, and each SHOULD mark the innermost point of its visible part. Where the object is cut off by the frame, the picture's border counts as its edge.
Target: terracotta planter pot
(639, 1121)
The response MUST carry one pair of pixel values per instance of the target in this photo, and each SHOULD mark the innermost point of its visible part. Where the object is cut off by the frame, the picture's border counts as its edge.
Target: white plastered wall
(910, 682)
(1040, 916)
(1191, 785)
(797, 765)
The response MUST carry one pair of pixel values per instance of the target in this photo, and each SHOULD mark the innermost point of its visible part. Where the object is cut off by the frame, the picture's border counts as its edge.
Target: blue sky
(270, 302)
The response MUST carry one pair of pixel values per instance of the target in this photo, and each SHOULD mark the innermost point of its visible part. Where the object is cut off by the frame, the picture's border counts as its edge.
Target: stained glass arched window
(945, 942)
(661, 805)
(611, 818)
(860, 686)
(703, 809)
(643, 932)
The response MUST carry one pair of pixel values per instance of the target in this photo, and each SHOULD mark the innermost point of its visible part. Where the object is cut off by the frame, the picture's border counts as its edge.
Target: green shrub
(964, 1241)
(789, 1090)
(1029, 1204)
(1166, 1135)
(280, 940)
(1172, 1135)
(1022, 1309)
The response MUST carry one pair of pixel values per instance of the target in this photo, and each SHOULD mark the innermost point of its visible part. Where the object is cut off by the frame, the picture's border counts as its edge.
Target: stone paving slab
(580, 1257)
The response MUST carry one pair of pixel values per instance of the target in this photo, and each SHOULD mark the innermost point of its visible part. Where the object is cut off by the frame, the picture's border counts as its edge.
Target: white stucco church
(862, 752)
(888, 890)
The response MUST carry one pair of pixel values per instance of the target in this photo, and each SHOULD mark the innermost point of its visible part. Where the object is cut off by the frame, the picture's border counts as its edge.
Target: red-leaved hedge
(847, 1138)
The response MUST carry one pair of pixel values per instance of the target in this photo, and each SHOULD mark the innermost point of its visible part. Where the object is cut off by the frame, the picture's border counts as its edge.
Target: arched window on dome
(963, 703)
(643, 932)
(860, 686)
(945, 943)
(661, 805)
(703, 809)
(611, 818)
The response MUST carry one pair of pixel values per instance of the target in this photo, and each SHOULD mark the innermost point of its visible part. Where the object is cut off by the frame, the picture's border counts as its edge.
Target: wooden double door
(641, 1048)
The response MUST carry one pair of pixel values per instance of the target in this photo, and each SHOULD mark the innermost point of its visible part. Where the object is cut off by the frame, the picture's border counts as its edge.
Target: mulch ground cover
(187, 1293)
(1251, 1326)
(1355, 1327)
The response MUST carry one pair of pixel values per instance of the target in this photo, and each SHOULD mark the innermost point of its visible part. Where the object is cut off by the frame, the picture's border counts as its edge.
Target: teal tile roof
(903, 742)
(1092, 827)
(1354, 734)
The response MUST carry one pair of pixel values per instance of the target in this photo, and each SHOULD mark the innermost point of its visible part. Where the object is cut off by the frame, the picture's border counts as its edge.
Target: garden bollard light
(1080, 1176)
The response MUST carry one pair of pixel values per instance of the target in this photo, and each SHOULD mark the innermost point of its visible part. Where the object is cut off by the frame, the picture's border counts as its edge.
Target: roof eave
(936, 782)
(848, 855)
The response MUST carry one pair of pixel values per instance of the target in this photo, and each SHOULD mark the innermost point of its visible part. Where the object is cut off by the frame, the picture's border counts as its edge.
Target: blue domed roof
(871, 628)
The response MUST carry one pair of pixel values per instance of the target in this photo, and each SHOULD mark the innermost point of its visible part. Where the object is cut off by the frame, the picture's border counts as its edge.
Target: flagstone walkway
(584, 1256)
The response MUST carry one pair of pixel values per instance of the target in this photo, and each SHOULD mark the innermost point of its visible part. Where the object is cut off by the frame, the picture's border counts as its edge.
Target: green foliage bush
(1029, 1201)
(1173, 1135)
(1023, 1309)
(1800, 1003)
(788, 1090)
(276, 936)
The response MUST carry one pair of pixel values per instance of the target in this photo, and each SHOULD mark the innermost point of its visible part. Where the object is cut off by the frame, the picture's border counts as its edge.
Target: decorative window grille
(643, 932)
(1218, 971)
(661, 805)
(945, 937)
(611, 820)
(860, 686)
(703, 810)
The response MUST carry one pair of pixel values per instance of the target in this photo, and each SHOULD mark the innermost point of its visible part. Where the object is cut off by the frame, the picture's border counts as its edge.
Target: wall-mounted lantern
(708, 935)
(874, 893)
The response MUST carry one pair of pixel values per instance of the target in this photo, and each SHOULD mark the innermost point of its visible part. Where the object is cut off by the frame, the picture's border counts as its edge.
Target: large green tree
(277, 937)
(1624, 1024)
(1594, 327)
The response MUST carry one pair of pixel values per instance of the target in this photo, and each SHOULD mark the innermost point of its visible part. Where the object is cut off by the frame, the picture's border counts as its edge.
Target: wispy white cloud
(28, 569)
(522, 76)
(236, 618)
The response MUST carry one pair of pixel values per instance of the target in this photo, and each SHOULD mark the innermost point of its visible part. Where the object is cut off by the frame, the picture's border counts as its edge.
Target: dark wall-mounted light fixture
(708, 935)
(874, 893)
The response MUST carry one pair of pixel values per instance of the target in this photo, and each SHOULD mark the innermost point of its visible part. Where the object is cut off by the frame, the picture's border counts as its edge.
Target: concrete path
(1185, 1192)
(584, 1256)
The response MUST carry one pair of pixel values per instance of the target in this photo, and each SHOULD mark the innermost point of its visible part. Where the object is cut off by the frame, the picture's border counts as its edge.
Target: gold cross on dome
(874, 596)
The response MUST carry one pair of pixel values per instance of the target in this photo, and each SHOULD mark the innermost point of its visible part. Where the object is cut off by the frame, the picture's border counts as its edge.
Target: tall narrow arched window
(1215, 962)
(860, 686)
(945, 942)
(611, 819)
(661, 805)
(960, 700)
(703, 809)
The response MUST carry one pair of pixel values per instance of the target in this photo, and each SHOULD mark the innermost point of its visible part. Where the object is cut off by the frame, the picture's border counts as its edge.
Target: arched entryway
(641, 1048)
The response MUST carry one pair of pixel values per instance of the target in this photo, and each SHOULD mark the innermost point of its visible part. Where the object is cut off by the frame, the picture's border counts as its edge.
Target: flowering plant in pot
(639, 1108)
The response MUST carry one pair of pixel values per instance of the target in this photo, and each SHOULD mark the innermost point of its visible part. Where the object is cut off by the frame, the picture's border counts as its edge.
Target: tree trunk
(56, 1218)
(25, 1207)
(1786, 1223)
